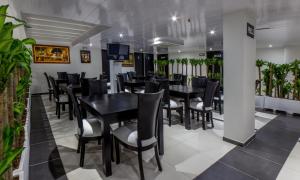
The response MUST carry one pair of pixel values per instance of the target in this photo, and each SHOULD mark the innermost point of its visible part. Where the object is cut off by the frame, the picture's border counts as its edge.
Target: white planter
(259, 101)
(287, 105)
(23, 171)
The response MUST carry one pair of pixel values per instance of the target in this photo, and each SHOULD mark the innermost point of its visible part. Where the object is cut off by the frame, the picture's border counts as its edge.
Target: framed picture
(85, 56)
(129, 62)
(51, 54)
(250, 30)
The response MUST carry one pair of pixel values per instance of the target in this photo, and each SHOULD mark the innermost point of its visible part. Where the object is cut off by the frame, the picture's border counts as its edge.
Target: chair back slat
(148, 108)
(120, 83)
(73, 79)
(97, 87)
(209, 94)
(151, 87)
(55, 88)
(164, 84)
(62, 75)
(199, 82)
(48, 81)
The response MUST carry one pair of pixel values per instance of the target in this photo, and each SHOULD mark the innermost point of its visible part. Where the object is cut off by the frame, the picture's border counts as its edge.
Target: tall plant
(184, 61)
(296, 73)
(172, 62)
(259, 64)
(280, 73)
(15, 59)
(178, 62)
(268, 78)
(193, 63)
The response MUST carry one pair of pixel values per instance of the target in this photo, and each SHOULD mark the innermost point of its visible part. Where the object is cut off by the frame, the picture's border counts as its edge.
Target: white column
(239, 77)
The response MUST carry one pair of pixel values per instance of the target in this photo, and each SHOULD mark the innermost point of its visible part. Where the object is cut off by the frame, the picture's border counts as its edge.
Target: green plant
(178, 61)
(172, 62)
(200, 63)
(280, 73)
(184, 61)
(287, 89)
(259, 64)
(295, 69)
(193, 63)
(268, 78)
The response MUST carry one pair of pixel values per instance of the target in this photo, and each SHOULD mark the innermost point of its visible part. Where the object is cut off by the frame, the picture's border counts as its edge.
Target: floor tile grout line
(36, 164)
(238, 170)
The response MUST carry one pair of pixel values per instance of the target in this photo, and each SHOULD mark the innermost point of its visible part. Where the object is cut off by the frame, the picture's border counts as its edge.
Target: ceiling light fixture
(121, 35)
(174, 18)
(90, 44)
(270, 45)
(212, 32)
(210, 49)
(179, 51)
(141, 50)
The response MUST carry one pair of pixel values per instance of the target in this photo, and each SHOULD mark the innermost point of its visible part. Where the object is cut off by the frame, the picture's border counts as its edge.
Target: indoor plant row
(15, 79)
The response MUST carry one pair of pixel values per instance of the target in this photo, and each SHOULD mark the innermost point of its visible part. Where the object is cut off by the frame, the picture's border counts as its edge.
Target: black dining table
(134, 83)
(186, 92)
(111, 108)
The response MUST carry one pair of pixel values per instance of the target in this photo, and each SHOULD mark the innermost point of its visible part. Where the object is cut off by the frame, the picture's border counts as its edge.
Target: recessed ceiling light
(212, 32)
(270, 45)
(90, 44)
(179, 51)
(141, 50)
(121, 35)
(210, 49)
(174, 18)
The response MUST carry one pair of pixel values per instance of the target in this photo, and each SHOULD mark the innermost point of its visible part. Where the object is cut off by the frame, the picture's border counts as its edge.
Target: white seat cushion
(91, 127)
(197, 99)
(200, 106)
(222, 98)
(63, 98)
(126, 90)
(173, 104)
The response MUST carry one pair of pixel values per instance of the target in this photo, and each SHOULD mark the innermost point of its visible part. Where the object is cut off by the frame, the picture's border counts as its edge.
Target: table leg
(132, 89)
(187, 121)
(160, 131)
(70, 108)
(106, 149)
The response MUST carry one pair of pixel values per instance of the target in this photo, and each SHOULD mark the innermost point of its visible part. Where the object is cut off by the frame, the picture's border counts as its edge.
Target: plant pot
(23, 170)
(279, 104)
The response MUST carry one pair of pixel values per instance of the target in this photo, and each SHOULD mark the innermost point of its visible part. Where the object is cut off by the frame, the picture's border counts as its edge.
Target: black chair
(50, 89)
(170, 104)
(85, 86)
(177, 77)
(120, 84)
(73, 79)
(97, 87)
(143, 135)
(206, 107)
(60, 99)
(151, 87)
(184, 80)
(62, 75)
(218, 97)
(131, 75)
(88, 128)
(82, 75)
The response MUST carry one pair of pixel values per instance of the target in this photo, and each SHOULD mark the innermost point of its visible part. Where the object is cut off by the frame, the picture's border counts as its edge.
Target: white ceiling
(141, 20)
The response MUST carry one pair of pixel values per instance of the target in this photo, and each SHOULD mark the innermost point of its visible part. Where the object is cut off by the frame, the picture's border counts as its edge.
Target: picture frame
(50, 54)
(85, 56)
(129, 62)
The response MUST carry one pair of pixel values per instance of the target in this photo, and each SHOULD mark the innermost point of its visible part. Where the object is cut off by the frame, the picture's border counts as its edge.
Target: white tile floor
(291, 167)
(187, 153)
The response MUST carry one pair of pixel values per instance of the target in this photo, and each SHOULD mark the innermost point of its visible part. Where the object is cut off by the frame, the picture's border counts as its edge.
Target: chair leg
(212, 120)
(50, 96)
(58, 111)
(157, 158)
(79, 143)
(220, 107)
(63, 107)
(203, 121)
(198, 116)
(117, 148)
(82, 153)
(142, 177)
(112, 148)
(193, 116)
(169, 116)
(181, 115)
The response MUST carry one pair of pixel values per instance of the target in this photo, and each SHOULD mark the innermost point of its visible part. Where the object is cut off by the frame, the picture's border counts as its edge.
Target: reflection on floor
(187, 153)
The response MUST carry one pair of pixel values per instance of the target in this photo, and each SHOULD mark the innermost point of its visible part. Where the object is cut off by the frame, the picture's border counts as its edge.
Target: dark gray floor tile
(265, 150)
(251, 164)
(52, 170)
(43, 152)
(220, 171)
(41, 135)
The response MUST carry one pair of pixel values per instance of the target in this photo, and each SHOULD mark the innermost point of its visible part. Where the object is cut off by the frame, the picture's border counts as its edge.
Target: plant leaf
(8, 159)
(3, 10)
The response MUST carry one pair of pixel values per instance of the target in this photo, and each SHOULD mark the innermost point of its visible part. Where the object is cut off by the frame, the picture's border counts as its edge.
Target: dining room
(117, 90)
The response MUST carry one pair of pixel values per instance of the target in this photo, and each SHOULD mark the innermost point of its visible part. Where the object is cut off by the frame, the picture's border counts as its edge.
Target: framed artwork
(129, 62)
(51, 54)
(85, 56)
(250, 30)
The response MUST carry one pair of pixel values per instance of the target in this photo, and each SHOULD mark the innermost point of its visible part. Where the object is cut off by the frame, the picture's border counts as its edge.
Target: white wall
(93, 69)
(279, 55)
(188, 55)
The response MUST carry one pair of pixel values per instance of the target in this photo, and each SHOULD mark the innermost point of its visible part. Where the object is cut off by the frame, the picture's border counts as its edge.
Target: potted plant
(15, 73)
(259, 64)
(184, 61)
(295, 69)
(178, 62)
(172, 62)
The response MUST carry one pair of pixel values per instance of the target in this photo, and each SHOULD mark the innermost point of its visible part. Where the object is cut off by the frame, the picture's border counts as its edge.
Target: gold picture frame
(51, 54)
(129, 62)
(85, 56)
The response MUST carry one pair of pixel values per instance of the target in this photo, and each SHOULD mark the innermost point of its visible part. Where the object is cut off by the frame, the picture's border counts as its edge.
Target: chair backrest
(209, 94)
(97, 87)
(131, 75)
(148, 108)
(218, 89)
(177, 76)
(82, 75)
(120, 83)
(55, 87)
(124, 76)
(85, 86)
(62, 75)
(151, 87)
(73, 79)
(48, 81)
(76, 110)
(184, 80)
(199, 82)
(164, 84)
